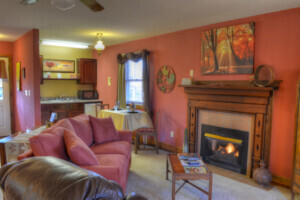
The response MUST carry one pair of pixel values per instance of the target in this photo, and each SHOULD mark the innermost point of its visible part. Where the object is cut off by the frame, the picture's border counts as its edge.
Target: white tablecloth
(123, 120)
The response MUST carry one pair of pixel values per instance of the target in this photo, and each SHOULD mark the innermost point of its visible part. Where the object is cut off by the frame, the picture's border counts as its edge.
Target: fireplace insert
(225, 148)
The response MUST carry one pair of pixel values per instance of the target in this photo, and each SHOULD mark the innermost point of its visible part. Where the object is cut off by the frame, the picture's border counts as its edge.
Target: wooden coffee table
(179, 174)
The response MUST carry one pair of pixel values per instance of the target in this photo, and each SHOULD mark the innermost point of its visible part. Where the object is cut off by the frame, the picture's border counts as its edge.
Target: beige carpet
(148, 177)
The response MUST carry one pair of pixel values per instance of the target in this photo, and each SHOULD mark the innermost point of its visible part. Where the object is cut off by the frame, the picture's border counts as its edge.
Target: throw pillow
(49, 143)
(79, 153)
(83, 129)
(104, 130)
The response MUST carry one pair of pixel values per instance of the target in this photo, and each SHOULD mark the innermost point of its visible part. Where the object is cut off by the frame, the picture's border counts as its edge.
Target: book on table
(200, 169)
(192, 163)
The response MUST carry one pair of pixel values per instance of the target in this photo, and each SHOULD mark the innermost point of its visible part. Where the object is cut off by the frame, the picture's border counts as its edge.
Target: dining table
(127, 119)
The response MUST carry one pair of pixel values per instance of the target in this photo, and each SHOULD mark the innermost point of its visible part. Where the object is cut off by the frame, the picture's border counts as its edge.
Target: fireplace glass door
(225, 148)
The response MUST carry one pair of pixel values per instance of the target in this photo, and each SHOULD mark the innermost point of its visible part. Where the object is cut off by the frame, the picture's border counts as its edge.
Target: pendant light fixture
(99, 43)
(63, 4)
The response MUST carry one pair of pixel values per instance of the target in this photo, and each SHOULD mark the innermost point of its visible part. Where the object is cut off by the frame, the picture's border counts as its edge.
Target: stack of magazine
(192, 163)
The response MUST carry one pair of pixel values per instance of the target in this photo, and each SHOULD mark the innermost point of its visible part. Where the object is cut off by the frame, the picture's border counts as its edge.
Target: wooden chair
(146, 132)
(99, 107)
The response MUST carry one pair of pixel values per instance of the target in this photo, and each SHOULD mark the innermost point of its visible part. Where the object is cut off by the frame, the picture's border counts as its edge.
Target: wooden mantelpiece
(238, 97)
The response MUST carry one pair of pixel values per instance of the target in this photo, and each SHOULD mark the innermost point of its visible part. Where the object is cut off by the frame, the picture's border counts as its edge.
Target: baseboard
(278, 180)
(165, 146)
(169, 147)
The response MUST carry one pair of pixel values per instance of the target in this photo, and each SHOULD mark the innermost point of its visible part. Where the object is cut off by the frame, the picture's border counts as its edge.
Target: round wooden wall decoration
(165, 79)
(264, 75)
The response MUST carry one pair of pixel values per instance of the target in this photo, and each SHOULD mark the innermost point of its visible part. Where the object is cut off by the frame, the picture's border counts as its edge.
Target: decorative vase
(262, 175)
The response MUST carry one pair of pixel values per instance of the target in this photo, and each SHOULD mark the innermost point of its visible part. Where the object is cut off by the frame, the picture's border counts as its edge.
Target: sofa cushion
(50, 143)
(117, 161)
(104, 130)
(65, 123)
(78, 151)
(83, 129)
(114, 147)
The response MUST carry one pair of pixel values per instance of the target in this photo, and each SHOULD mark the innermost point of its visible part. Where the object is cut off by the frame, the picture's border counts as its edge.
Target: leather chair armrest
(135, 196)
(108, 172)
(125, 136)
(26, 154)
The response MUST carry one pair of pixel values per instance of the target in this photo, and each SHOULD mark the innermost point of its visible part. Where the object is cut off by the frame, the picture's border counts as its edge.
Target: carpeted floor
(148, 177)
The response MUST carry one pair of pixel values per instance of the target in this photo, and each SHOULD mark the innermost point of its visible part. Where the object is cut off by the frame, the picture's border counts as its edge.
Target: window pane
(134, 70)
(134, 91)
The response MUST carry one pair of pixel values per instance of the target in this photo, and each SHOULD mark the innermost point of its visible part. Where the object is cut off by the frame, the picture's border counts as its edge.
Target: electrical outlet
(172, 134)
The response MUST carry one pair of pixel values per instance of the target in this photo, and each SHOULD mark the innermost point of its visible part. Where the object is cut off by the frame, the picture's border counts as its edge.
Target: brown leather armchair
(49, 178)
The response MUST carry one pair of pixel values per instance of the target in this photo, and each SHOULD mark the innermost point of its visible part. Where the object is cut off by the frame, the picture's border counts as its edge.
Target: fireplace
(238, 97)
(226, 148)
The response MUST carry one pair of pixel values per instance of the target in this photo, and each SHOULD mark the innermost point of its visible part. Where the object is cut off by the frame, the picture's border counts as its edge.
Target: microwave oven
(87, 94)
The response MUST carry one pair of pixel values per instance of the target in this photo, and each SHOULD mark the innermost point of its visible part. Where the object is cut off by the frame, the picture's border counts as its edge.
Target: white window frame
(135, 80)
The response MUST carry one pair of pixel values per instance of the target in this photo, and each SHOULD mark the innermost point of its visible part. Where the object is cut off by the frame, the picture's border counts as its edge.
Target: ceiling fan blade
(28, 2)
(93, 5)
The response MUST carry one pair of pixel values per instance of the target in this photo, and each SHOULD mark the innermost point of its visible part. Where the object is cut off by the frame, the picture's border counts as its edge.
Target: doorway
(5, 112)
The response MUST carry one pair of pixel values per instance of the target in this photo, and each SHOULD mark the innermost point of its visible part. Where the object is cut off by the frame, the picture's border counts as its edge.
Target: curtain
(121, 86)
(134, 56)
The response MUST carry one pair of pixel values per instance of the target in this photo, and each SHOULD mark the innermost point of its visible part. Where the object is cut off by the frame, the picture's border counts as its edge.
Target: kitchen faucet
(61, 97)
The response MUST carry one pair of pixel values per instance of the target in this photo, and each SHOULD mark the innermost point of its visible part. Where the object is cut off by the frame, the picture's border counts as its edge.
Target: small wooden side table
(178, 173)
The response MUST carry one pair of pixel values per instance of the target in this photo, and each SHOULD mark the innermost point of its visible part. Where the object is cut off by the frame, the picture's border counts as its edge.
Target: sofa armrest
(26, 154)
(108, 172)
(125, 136)
(135, 196)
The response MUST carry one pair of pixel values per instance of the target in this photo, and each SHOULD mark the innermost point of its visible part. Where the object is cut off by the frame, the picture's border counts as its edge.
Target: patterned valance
(134, 56)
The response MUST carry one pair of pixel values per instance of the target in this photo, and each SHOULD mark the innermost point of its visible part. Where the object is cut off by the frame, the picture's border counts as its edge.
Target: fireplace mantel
(238, 97)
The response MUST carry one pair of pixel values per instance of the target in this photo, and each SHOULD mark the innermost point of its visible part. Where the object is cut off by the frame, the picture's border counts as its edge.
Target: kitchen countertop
(54, 101)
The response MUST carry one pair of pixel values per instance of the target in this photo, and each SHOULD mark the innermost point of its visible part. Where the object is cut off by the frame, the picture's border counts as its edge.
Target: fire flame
(230, 148)
(236, 154)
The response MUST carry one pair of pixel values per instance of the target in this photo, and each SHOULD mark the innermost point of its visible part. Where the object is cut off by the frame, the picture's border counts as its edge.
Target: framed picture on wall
(60, 66)
(228, 50)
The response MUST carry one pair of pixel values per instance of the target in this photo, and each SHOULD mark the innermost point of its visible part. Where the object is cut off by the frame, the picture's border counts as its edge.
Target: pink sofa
(91, 143)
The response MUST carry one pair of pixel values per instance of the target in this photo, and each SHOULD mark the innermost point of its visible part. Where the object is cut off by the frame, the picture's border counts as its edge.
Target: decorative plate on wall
(165, 79)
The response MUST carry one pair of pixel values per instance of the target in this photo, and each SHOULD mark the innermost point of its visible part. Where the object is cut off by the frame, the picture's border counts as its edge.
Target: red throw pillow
(83, 128)
(79, 153)
(50, 143)
(104, 130)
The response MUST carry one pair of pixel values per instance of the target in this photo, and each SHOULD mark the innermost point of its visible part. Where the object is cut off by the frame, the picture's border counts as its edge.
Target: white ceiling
(125, 20)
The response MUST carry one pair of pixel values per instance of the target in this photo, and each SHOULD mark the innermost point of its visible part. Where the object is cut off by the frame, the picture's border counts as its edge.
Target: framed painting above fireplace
(228, 50)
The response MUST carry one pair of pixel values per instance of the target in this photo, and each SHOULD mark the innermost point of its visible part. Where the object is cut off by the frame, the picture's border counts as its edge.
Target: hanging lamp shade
(99, 43)
(3, 73)
(63, 4)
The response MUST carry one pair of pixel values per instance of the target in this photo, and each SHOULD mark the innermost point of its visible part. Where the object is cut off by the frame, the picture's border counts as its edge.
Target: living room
(276, 44)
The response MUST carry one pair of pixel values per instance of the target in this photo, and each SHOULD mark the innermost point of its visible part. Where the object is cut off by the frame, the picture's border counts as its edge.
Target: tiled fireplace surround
(235, 105)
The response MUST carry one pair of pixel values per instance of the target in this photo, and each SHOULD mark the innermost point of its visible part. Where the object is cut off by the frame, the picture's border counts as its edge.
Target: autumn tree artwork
(228, 50)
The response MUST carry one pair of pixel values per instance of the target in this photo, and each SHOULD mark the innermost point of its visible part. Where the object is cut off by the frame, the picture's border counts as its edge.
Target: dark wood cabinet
(64, 110)
(87, 70)
(76, 109)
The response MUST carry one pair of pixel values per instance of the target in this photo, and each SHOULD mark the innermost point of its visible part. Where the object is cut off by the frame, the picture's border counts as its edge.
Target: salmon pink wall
(6, 48)
(277, 43)
(27, 108)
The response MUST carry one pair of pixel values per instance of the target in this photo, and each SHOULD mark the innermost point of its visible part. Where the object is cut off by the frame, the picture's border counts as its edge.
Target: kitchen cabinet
(87, 71)
(64, 110)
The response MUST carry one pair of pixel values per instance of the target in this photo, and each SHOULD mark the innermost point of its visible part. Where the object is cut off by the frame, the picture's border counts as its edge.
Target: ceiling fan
(68, 4)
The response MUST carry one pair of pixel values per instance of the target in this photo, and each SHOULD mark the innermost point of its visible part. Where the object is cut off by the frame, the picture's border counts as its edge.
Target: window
(134, 82)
